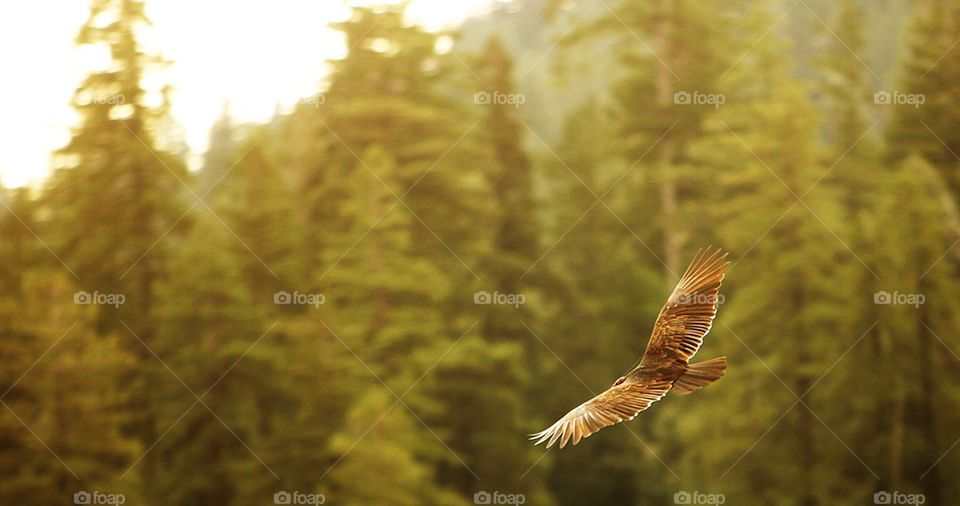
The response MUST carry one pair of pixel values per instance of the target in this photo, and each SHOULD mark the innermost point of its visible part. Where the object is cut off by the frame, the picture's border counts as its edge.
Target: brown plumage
(677, 335)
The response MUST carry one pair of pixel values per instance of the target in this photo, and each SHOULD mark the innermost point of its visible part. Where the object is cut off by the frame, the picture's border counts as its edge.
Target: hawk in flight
(677, 335)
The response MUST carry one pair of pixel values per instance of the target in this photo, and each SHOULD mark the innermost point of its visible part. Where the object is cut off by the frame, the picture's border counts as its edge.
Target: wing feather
(689, 312)
(616, 404)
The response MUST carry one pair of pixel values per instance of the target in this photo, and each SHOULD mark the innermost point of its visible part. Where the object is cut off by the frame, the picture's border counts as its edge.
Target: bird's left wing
(688, 314)
(616, 404)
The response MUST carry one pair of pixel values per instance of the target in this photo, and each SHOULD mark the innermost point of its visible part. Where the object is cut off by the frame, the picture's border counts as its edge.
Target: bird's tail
(700, 375)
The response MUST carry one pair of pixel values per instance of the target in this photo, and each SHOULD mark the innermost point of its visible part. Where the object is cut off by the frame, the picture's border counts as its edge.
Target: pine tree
(116, 193)
(386, 452)
(63, 403)
(219, 159)
(931, 71)
(929, 130)
(385, 295)
(845, 81)
(515, 243)
(916, 231)
(392, 90)
(794, 276)
(116, 189)
(603, 287)
(384, 300)
(217, 321)
(683, 53)
(856, 172)
(500, 356)
(685, 50)
(257, 202)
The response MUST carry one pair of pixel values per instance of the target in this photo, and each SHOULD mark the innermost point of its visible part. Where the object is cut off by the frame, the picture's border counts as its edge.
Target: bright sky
(254, 53)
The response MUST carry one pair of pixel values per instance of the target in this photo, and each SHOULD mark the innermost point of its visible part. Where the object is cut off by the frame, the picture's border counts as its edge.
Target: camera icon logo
(883, 98)
(682, 98)
(882, 297)
(482, 497)
(482, 297)
(282, 297)
(281, 497)
(82, 297)
(682, 497)
(82, 497)
(483, 98)
(882, 497)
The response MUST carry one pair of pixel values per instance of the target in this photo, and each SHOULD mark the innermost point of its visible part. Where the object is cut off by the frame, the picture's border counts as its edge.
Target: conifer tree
(931, 71)
(117, 194)
(846, 81)
(387, 452)
(257, 202)
(681, 56)
(916, 337)
(221, 154)
(115, 189)
(384, 300)
(510, 180)
(64, 405)
(391, 90)
(217, 321)
(603, 287)
(762, 156)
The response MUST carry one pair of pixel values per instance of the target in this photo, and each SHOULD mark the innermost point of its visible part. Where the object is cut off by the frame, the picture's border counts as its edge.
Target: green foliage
(63, 394)
(385, 452)
(397, 197)
(932, 71)
(214, 321)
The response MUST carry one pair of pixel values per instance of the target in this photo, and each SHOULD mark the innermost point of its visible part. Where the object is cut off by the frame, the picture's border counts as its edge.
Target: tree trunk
(668, 190)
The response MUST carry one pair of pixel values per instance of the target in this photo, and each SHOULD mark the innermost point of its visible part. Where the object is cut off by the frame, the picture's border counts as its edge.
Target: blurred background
(303, 252)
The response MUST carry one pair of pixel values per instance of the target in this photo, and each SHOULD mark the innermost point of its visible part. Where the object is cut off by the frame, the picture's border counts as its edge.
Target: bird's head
(621, 379)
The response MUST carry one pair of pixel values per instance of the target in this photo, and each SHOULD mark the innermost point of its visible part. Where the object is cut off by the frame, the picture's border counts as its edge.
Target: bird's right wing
(616, 404)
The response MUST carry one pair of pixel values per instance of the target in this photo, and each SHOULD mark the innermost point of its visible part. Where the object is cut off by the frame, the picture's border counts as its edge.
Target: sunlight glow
(257, 55)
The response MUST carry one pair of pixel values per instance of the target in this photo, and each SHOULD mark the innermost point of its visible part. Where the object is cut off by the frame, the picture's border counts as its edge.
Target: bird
(677, 334)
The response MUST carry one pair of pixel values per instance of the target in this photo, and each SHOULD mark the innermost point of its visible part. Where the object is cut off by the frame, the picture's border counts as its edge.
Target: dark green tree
(791, 281)
(931, 70)
(510, 178)
(918, 227)
(603, 287)
(219, 322)
(64, 406)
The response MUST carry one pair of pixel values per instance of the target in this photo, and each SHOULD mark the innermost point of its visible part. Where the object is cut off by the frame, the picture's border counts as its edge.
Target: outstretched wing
(618, 403)
(688, 314)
